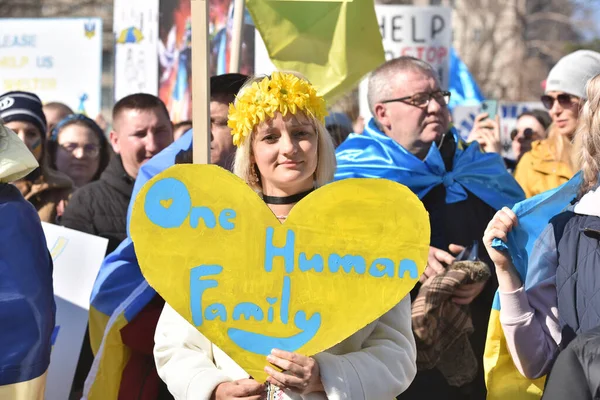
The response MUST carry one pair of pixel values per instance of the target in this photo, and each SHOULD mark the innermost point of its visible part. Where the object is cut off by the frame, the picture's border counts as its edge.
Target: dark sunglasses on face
(422, 99)
(527, 134)
(563, 99)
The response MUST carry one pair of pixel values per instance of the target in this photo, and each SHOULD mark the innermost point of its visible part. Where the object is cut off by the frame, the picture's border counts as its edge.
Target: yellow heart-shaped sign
(347, 254)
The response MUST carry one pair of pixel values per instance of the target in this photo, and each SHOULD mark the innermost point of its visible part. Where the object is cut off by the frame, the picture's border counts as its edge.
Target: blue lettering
(271, 301)
(18, 41)
(284, 311)
(305, 264)
(248, 310)
(410, 266)
(206, 214)
(198, 286)
(263, 344)
(225, 219)
(388, 268)
(347, 263)
(287, 251)
(168, 203)
(215, 311)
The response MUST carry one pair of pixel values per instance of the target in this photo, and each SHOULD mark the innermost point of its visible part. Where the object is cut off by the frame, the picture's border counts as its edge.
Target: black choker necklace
(286, 200)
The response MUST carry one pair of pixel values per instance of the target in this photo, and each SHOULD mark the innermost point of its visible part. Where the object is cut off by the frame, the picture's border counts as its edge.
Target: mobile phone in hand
(490, 107)
(470, 253)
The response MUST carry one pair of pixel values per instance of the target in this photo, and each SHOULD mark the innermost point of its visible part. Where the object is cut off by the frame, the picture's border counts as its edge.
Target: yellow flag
(333, 43)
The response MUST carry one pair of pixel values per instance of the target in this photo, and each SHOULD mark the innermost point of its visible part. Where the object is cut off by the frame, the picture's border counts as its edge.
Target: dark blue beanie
(23, 106)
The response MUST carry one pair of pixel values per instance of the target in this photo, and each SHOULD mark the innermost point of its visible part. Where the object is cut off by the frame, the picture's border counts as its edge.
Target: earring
(253, 175)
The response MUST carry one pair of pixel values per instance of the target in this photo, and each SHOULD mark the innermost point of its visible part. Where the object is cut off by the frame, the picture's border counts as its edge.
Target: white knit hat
(572, 72)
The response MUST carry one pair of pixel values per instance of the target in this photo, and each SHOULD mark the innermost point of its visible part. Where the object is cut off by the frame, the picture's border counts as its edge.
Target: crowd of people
(72, 173)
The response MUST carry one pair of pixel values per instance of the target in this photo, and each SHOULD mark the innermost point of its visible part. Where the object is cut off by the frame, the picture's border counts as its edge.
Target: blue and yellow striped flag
(120, 293)
(503, 380)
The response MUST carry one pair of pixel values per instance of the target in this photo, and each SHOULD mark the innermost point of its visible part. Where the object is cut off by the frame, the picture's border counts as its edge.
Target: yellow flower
(281, 92)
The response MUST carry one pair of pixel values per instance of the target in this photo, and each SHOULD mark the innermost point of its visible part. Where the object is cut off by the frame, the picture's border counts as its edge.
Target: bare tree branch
(549, 16)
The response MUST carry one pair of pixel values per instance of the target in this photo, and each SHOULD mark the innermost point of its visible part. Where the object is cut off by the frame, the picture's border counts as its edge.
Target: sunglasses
(527, 134)
(563, 99)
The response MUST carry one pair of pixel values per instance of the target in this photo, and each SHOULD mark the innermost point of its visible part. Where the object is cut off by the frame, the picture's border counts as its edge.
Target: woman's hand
(502, 223)
(301, 374)
(247, 389)
(487, 132)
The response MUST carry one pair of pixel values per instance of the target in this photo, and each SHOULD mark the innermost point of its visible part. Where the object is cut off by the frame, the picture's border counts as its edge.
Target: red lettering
(431, 55)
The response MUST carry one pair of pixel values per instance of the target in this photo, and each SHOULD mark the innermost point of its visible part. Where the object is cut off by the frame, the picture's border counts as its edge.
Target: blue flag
(534, 214)
(463, 87)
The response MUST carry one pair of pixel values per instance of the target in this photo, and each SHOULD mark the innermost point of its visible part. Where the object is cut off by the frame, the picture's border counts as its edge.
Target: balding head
(408, 104)
(381, 80)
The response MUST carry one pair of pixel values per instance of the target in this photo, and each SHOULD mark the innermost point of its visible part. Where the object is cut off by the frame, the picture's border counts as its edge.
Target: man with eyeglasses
(409, 141)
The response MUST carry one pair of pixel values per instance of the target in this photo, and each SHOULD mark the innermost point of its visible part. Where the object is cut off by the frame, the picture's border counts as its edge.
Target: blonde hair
(561, 147)
(588, 136)
(326, 164)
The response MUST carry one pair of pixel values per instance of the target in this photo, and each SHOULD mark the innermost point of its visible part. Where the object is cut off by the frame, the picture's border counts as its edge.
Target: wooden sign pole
(236, 35)
(200, 82)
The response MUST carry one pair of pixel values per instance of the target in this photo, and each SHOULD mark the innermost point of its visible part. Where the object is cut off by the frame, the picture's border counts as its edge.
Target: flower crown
(281, 92)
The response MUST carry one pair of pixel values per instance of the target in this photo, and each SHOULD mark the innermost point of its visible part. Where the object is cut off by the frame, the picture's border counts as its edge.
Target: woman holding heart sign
(284, 153)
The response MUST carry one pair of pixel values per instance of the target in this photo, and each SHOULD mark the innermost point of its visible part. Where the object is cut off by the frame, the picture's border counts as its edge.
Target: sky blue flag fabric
(120, 272)
(502, 378)
(463, 87)
(27, 307)
(372, 154)
(534, 214)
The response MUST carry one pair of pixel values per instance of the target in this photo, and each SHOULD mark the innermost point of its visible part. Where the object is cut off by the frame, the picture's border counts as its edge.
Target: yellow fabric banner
(333, 43)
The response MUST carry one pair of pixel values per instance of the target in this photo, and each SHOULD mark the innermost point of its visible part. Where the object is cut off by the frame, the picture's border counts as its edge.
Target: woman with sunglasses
(549, 163)
(531, 126)
(541, 320)
(79, 149)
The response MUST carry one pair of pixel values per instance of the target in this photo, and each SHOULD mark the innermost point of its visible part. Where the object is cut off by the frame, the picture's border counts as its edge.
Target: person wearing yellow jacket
(549, 163)
(27, 307)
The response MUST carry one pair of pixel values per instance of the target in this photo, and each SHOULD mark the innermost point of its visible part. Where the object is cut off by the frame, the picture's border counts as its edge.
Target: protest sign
(463, 118)
(57, 59)
(135, 26)
(218, 255)
(77, 258)
(421, 32)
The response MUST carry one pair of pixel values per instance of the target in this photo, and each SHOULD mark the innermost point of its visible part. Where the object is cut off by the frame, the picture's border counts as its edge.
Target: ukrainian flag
(120, 293)
(502, 378)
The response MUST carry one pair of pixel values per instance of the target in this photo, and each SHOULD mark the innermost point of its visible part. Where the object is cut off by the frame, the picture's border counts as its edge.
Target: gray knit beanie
(572, 72)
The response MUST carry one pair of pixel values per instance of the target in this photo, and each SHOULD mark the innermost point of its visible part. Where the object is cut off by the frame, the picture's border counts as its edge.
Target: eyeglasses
(564, 100)
(527, 134)
(89, 150)
(422, 100)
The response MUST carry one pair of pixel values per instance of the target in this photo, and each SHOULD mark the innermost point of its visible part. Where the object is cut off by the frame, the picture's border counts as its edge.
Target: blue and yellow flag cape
(27, 307)
(503, 380)
(372, 154)
(121, 292)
